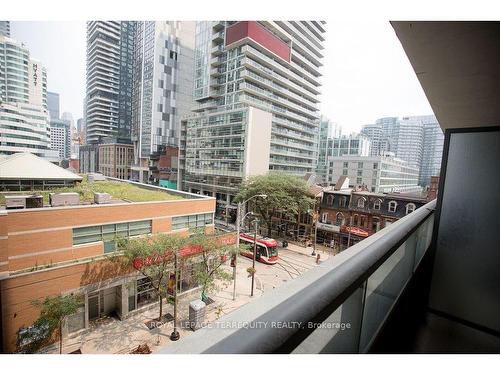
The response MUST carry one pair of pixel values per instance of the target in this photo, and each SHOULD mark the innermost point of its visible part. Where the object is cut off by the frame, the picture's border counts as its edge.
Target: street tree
(285, 193)
(208, 265)
(153, 257)
(53, 312)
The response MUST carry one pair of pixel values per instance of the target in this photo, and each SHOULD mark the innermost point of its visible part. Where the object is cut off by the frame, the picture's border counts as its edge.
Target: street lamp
(254, 254)
(174, 336)
(315, 223)
(238, 221)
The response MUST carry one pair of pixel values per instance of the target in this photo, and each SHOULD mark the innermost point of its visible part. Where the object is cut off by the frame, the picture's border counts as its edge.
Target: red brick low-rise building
(50, 251)
(347, 216)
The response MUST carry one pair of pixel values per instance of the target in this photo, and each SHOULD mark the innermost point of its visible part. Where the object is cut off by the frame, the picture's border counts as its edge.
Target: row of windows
(362, 201)
(110, 232)
(192, 221)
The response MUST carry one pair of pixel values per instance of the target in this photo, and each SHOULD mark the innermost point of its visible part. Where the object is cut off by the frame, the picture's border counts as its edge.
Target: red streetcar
(267, 248)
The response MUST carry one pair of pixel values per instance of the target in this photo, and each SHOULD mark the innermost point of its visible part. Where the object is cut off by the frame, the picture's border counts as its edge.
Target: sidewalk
(123, 336)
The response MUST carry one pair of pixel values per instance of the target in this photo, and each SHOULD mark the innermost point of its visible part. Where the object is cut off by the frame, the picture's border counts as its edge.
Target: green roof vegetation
(117, 190)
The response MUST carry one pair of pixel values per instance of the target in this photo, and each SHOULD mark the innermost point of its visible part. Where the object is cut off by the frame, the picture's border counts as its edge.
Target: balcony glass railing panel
(424, 238)
(340, 332)
(383, 289)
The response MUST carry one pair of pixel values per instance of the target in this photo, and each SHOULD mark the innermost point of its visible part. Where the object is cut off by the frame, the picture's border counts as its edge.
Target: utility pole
(350, 228)
(238, 213)
(314, 222)
(238, 222)
(254, 254)
(175, 334)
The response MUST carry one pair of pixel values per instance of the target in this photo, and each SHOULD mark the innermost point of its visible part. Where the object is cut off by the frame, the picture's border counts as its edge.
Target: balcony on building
(429, 282)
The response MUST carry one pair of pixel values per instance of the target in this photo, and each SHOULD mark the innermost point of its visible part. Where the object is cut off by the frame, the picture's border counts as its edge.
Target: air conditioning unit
(13, 202)
(100, 198)
(64, 199)
(91, 177)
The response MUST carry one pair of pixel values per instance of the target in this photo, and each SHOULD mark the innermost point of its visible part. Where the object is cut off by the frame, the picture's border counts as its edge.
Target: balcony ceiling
(458, 66)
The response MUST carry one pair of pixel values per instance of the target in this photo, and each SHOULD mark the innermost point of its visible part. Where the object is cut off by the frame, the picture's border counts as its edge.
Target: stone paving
(116, 336)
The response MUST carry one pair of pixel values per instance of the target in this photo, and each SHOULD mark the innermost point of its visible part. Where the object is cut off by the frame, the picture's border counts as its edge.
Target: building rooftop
(120, 191)
(26, 166)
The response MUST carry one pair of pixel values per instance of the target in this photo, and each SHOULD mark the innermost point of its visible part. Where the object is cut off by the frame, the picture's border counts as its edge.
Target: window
(343, 201)
(346, 165)
(344, 172)
(324, 217)
(362, 221)
(329, 200)
(109, 232)
(375, 165)
(410, 207)
(360, 165)
(392, 206)
(361, 202)
(340, 219)
(146, 293)
(376, 204)
(191, 221)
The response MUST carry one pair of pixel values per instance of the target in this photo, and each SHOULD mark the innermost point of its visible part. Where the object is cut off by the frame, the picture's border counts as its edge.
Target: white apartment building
(432, 150)
(24, 120)
(415, 139)
(380, 174)
(162, 89)
(246, 72)
(374, 133)
(60, 137)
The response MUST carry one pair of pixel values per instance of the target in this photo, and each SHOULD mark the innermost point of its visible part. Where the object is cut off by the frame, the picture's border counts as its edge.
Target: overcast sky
(366, 74)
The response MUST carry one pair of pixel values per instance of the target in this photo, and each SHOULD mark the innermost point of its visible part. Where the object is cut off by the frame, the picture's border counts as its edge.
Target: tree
(153, 257)
(208, 265)
(53, 312)
(284, 193)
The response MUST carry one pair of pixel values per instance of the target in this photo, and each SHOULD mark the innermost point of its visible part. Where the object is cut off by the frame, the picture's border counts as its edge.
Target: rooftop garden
(118, 190)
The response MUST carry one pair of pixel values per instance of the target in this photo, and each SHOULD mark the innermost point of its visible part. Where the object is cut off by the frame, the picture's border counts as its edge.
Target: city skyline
(355, 88)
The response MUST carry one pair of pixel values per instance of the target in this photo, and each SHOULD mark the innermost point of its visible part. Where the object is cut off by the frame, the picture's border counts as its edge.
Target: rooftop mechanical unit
(64, 199)
(13, 202)
(101, 198)
(91, 177)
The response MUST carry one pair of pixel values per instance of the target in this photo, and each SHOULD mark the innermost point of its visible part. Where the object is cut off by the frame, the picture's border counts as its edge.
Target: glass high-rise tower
(24, 119)
(162, 88)
(257, 87)
(108, 106)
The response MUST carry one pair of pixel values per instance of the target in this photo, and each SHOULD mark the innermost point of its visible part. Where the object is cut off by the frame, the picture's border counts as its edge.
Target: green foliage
(53, 311)
(284, 193)
(118, 190)
(159, 248)
(208, 266)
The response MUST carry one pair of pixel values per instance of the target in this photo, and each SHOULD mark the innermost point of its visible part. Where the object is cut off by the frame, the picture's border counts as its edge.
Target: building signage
(187, 251)
(354, 230)
(328, 227)
(35, 75)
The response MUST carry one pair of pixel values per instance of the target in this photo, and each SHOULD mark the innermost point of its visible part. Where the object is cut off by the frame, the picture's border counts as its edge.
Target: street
(293, 261)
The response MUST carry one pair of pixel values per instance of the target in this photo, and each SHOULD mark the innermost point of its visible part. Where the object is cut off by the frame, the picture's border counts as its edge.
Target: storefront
(123, 298)
(328, 234)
